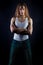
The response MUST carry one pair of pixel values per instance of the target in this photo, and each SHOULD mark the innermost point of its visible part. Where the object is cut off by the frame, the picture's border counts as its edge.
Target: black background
(7, 9)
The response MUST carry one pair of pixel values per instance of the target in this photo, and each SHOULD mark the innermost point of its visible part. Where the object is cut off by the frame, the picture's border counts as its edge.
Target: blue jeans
(27, 49)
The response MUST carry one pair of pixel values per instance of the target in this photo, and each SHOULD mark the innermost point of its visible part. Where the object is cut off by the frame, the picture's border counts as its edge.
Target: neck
(22, 17)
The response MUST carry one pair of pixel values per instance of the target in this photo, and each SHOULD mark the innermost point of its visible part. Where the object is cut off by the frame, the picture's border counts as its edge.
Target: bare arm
(30, 28)
(14, 29)
(21, 30)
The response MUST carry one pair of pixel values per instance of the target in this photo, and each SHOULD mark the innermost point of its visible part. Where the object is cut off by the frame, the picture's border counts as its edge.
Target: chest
(21, 24)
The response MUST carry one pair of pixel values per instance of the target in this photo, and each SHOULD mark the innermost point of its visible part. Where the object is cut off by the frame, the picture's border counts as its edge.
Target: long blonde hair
(26, 10)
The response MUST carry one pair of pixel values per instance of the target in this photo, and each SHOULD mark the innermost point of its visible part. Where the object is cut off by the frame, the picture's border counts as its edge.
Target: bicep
(31, 26)
(12, 24)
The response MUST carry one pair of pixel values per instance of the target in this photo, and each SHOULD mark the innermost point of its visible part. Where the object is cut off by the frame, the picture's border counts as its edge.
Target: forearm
(25, 32)
(18, 30)
(21, 31)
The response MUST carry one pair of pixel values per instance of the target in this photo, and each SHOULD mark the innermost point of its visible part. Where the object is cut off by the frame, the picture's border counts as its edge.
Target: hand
(21, 29)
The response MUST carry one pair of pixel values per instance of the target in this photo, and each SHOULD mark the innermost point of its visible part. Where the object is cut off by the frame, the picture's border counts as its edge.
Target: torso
(20, 24)
(21, 19)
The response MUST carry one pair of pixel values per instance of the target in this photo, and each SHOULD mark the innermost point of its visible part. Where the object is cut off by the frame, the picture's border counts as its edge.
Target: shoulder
(13, 19)
(30, 20)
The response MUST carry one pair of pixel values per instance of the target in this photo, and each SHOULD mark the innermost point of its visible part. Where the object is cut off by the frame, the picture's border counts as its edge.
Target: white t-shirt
(24, 25)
